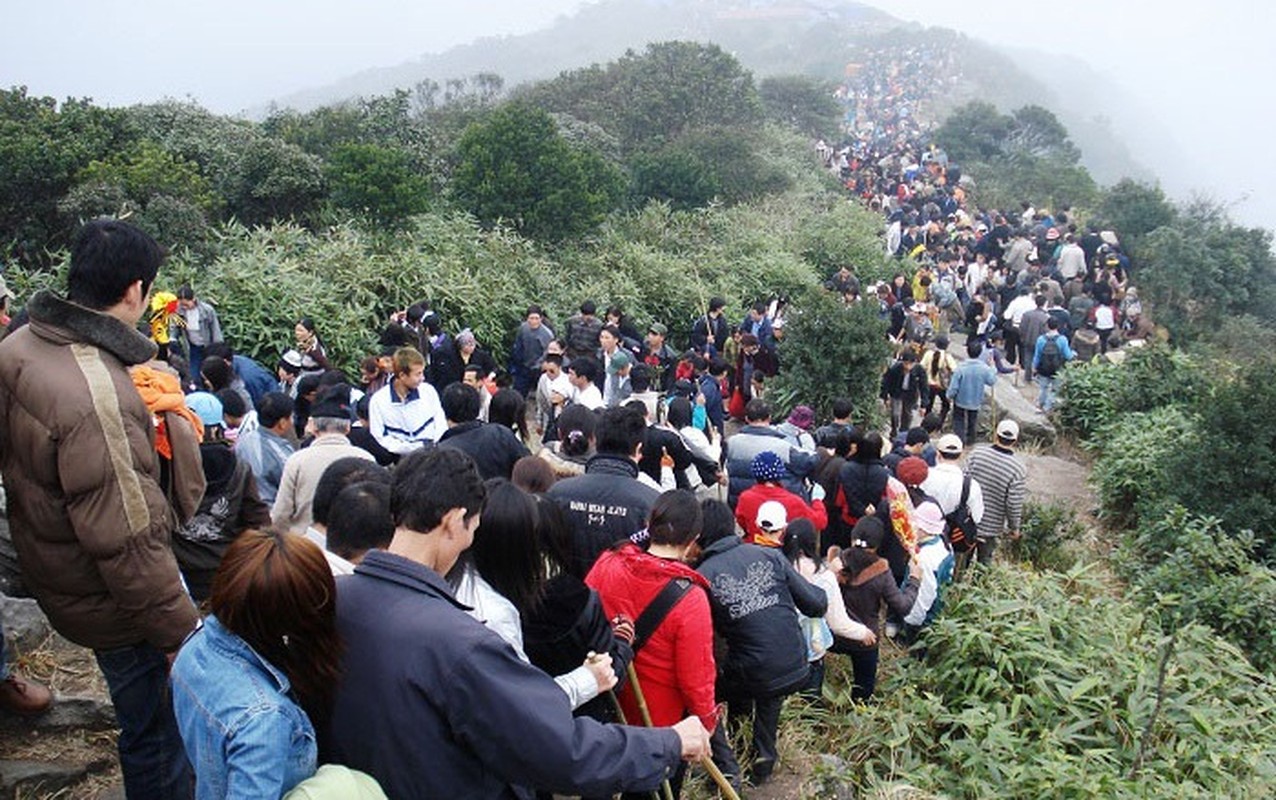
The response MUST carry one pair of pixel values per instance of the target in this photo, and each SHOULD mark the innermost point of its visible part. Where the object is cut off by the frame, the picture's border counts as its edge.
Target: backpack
(961, 526)
(1051, 360)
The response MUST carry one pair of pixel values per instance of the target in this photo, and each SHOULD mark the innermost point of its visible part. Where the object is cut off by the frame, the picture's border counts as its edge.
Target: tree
(830, 350)
(1036, 131)
(43, 147)
(1203, 269)
(1134, 210)
(377, 181)
(652, 98)
(515, 167)
(974, 132)
(806, 104)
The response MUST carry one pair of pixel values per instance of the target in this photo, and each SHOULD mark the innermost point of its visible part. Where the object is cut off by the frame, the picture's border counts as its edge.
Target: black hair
(427, 484)
(505, 551)
(333, 377)
(842, 408)
(640, 377)
(855, 560)
(342, 473)
(676, 518)
(615, 311)
(477, 369)
(870, 448)
(801, 539)
(461, 402)
(508, 408)
(233, 404)
(717, 303)
(718, 521)
(217, 372)
(309, 324)
(585, 367)
(678, 415)
(554, 535)
(360, 519)
(185, 292)
(588, 308)
(576, 426)
(1052, 324)
(533, 309)
(220, 350)
(612, 331)
(107, 257)
(931, 423)
(974, 348)
(272, 407)
(620, 431)
(757, 410)
(718, 366)
(361, 407)
(916, 436)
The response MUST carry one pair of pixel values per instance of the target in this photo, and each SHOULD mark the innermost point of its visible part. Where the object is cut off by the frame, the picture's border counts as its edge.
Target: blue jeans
(151, 753)
(1048, 386)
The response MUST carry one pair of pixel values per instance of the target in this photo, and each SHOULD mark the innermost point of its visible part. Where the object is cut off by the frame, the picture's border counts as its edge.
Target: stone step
(66, 713)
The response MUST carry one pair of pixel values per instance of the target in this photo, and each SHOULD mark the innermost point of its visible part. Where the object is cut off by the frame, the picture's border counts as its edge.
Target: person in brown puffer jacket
(867, 584)
(90, 521)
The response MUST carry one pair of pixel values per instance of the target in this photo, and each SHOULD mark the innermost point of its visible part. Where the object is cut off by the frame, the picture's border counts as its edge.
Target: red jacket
(746, 509)
(675, 666)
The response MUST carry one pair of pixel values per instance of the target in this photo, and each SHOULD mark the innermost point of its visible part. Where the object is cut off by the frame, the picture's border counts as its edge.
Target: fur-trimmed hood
(59, 320)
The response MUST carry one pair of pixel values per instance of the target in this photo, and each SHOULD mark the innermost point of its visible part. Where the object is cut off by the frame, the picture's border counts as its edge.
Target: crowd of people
(566, 574)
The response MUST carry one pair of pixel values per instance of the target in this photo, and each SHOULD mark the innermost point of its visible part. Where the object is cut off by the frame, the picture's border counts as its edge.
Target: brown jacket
(90, 523)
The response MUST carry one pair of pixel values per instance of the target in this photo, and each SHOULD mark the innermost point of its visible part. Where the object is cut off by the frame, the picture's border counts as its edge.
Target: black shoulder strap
(965, 490)
(656, 611)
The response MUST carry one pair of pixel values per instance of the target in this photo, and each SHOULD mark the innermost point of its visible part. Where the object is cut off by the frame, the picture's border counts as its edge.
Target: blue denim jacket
(966, 389)
(244, 735)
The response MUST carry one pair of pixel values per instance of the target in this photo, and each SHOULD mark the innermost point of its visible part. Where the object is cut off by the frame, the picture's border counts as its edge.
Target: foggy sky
(1206, 71)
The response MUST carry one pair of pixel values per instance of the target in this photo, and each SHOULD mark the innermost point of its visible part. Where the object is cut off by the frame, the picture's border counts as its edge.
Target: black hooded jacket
(755, 594)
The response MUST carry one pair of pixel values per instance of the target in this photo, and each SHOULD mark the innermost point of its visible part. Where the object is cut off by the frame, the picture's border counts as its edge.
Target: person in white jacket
(937, 562)
(801, 547)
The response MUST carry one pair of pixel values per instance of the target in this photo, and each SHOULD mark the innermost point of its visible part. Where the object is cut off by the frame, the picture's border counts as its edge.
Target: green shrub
(830, 350)
(1096, 395)
(1052, 537)
(1046, 686)
(1134, 475)
(1198, 572)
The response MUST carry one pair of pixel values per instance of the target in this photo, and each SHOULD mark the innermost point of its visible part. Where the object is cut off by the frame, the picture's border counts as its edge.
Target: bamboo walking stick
(728, 791)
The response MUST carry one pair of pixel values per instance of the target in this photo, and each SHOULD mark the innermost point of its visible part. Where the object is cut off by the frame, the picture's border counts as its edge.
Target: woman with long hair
(507, 407)
(250, 683)
(502, 577)
(801, 547)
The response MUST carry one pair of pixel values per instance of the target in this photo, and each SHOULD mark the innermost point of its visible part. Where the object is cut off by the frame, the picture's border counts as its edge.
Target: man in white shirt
(944, 481)
(405, 414)
(582, 373)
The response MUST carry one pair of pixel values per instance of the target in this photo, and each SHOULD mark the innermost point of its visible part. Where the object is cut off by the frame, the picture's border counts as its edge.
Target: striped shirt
(1003, 479)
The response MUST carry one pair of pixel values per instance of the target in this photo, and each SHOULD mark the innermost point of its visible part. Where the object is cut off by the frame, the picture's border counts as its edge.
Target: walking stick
(728, 791)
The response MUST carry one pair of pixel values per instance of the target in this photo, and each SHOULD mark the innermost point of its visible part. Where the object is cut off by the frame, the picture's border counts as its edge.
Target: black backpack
(961, 526)
(1051, 360)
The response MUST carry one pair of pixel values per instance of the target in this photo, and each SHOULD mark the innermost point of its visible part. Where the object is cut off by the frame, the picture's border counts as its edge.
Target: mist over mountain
(813, 37)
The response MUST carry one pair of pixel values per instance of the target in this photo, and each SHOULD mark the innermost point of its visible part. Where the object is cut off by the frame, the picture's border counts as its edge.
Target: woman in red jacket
(675, 665)
(768, 470)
